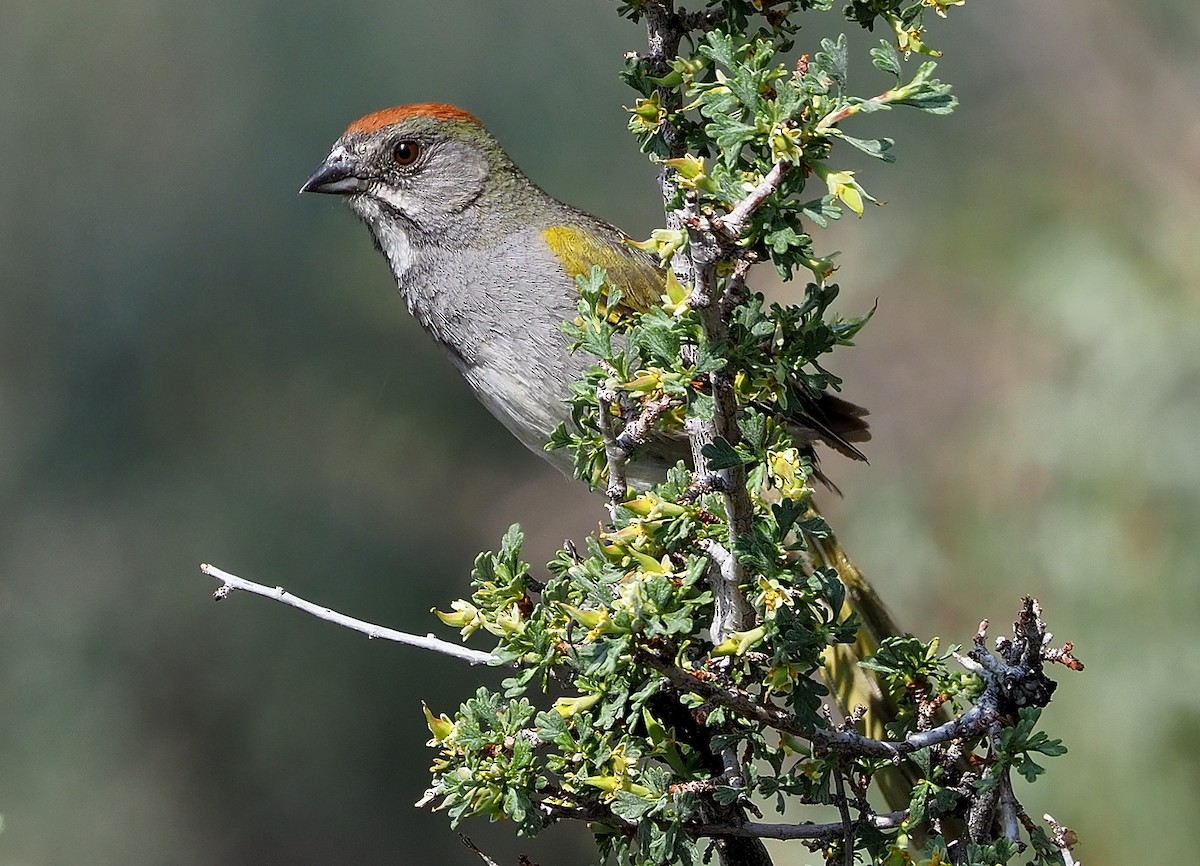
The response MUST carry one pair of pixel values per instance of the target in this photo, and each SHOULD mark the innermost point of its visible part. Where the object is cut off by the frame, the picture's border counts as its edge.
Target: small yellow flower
(781, 678)
(908, 39)
(739, 642)
(465, 616)
(645, 382)
(653, 507)
(674, 301)
(690, 173)
(650, 565)
(940, 6)
(567, 707)
(622, 770)
(663, 242)
(440, 726)
(787, 143)
(647, 114)
(598, 622)
(773, 595)
(786, 473)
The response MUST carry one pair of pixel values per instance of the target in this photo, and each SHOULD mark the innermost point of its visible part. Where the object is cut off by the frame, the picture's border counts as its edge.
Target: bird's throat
(394, 242)
(389, 233)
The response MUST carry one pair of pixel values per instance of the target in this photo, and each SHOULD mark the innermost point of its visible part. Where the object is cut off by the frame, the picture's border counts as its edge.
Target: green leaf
(927, 93)
(815, 526)
(886, 58)
(781, 240)
(832, 60)
(727, 794)
(786, 513)
(916, 805)
(1029, 768)
(876, 147)
(721, 455)
(753, 426)
(632, 807)
(821, 211)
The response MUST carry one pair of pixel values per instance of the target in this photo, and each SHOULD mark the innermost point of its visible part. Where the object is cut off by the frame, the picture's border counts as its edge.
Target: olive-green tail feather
(852, 685)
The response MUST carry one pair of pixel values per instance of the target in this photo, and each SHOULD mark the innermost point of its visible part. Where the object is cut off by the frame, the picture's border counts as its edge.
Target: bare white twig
(641, 429)
(733, 223)
(727, 576)
(231, 582)
(613, 453)
(1064, 838)
(619, 446)
(730, 608)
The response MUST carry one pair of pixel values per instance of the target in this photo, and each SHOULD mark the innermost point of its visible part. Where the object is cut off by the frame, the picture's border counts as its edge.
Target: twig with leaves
(691, 630)
(688, 639)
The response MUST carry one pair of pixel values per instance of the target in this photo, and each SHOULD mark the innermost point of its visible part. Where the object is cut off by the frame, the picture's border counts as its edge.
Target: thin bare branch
(825, 832)
(971, 724)
(466, 840)
(848, 826)
(641, 429)
(1064, 837)
(614, 454)
(729, 603)
(231, 582)
(731, 224)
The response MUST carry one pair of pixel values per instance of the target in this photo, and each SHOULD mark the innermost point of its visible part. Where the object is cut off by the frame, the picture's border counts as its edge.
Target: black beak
(335, 176)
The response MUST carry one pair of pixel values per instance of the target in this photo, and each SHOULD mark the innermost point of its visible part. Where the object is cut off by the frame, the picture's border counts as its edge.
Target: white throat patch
(395, 245)
(388, 234)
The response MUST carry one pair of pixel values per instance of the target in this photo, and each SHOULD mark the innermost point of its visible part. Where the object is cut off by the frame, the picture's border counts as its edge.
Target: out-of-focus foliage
(198, 365)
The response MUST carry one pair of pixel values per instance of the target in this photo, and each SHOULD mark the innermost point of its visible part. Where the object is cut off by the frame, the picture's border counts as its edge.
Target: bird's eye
(406, 152)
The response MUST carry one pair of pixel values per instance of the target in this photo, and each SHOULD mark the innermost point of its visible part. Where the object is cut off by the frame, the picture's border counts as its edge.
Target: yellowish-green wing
(640, 280)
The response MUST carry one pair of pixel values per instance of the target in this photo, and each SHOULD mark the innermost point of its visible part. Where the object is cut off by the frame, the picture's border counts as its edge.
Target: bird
(487, 263)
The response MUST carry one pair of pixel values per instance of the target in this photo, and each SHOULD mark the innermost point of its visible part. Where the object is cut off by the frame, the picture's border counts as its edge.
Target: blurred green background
(196, 365)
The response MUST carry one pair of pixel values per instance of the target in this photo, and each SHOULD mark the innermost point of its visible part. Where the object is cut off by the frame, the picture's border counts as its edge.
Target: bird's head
(412, 174)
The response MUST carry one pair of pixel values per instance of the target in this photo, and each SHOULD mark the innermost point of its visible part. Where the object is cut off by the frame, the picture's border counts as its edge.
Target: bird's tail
(854, 686)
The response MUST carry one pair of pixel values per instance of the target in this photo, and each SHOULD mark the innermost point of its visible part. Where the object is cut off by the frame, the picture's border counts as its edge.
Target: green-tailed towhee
(487, 263)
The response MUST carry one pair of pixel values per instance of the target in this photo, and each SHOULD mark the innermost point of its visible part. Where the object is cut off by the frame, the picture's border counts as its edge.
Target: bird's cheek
(399, 199)
(453, 179)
